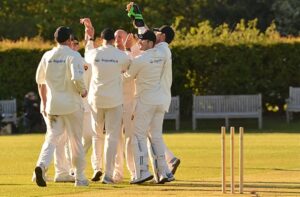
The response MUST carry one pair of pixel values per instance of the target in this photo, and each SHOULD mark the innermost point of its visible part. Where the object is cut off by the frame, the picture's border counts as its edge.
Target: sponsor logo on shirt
(109, 60)
(157, 61)
(57, 61)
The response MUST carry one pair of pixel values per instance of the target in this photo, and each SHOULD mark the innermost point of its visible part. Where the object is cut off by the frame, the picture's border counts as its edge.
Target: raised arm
(134, 12)
(89, 33)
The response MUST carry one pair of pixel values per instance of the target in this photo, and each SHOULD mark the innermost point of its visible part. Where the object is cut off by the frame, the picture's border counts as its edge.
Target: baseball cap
(148, 35)
(168, 31)
(62, 34)
(107, 34)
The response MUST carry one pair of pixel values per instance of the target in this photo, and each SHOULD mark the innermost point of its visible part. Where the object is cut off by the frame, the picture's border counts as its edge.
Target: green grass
(272, 168)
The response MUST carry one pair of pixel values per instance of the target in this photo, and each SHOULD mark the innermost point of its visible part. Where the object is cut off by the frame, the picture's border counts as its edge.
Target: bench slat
(173, 113)
(293, 102)
(227, 106)
(8, 108)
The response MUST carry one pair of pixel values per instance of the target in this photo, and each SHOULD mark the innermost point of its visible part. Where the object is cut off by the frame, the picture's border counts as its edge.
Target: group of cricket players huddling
(114, 99)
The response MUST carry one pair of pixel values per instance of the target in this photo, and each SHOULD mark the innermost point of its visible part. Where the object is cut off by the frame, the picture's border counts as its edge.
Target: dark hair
(168, 31)
(107, 34)
(74, 38)
(148, 35)
(62, 34)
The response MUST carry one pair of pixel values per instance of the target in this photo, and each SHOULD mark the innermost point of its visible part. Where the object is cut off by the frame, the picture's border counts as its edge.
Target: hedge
(205, 70)
(243, 69)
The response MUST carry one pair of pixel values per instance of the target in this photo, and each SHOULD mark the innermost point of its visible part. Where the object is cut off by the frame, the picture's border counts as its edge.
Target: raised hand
(130, 41)
(89, 29)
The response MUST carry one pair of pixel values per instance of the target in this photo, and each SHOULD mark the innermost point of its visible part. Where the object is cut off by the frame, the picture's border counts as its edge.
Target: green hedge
(206, 70)
(243, 69)
(17, 73)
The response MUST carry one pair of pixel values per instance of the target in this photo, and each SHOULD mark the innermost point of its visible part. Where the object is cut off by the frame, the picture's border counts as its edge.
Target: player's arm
(40, 80)
(43, 92)
(134, 12)
(89, 35)
(134, 68)
(77, 70)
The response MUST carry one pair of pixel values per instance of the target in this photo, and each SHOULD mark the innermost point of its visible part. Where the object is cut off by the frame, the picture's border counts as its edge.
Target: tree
(287, 16)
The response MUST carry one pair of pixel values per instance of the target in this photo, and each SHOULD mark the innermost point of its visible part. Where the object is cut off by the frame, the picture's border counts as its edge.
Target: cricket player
(96, 160)
(164, 36)
(87, 127)
(106, 99)
(121, 37)
(60, 76)
(147, 69)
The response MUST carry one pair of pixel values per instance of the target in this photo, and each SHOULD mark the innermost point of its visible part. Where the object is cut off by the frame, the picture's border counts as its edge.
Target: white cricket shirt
(147, 69)
(106, 89)
(166, 79)
(60, 68)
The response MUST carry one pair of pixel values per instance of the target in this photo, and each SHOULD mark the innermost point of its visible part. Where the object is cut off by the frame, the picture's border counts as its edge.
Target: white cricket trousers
(148, 121)
(112, 118)
(62, 155)
(72, 124)
(123, 147)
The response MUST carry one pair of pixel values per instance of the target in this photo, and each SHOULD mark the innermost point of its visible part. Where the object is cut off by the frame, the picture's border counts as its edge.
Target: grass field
(272, 168)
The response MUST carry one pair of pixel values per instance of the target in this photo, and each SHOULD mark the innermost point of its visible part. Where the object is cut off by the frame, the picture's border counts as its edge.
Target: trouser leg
(157, 145)
(74, 125)
(97, 139)
(128, 128)
(119, 159)
(113, 120)
(87, 131)
(142, 119)
(55, 130)
(62, 159)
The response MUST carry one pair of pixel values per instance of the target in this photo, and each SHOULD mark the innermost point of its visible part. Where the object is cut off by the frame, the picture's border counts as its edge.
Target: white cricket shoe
(64, 178)
(81, 183)
(145, 176)
(170, 177)
(117, 177)
(107, 180)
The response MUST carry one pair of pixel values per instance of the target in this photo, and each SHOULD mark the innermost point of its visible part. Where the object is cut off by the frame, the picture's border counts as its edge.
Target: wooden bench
(173, 113)
(8, 110)
(227, 106)
(293, 103)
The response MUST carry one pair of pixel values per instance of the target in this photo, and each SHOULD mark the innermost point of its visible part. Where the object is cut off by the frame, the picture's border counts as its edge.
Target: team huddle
(113, 100)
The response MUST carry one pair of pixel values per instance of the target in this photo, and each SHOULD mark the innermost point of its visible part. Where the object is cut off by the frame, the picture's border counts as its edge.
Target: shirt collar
(162, 44)
(62, 46)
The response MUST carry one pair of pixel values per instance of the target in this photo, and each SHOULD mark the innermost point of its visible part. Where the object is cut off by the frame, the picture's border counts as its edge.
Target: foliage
(218, 61)
(287, 16)
(25, 43)
(17, 73)
(41, 18)
(206, 60)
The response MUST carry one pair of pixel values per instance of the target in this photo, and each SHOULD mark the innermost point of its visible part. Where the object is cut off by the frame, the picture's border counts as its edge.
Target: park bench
(8, 111)
(293, 103)
(173, 113)
(227, 106)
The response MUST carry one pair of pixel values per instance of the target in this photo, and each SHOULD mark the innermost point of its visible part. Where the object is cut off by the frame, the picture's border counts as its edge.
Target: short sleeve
(40, 76)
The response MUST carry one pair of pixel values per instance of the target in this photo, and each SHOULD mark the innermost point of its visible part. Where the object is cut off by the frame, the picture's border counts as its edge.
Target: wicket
(241, 159)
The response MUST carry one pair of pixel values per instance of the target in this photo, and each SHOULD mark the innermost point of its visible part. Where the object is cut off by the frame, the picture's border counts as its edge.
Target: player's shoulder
(75, 54)
(121, 54)
(49, 52)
